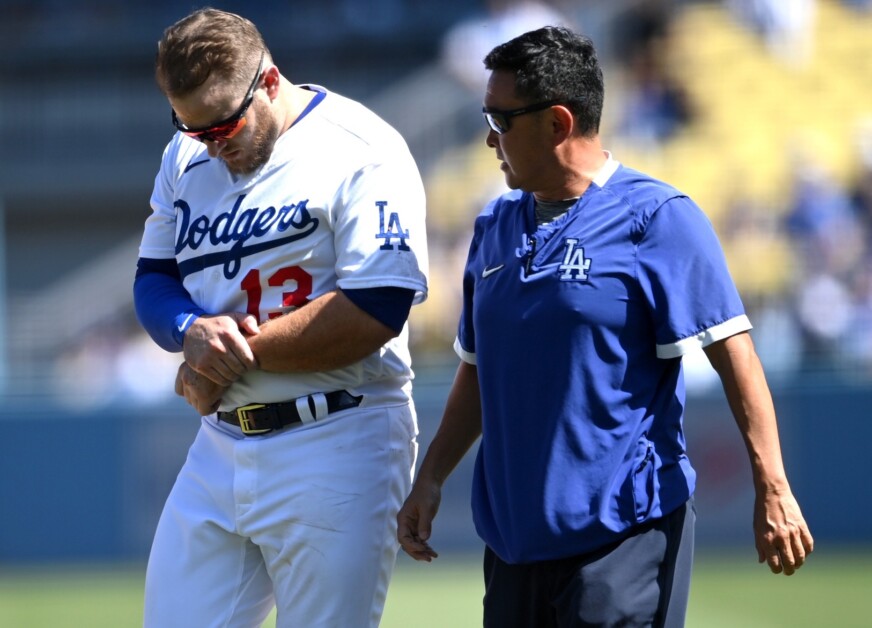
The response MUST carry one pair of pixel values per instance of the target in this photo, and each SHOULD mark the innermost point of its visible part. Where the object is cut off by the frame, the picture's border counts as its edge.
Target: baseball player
(583, 288)
(285, 248)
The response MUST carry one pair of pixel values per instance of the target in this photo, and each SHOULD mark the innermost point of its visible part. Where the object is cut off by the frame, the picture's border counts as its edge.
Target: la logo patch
(575, 265)
(394, 229)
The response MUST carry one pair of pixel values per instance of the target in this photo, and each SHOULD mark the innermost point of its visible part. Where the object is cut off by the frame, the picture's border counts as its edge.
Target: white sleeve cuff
(464, 355)
(703, 339)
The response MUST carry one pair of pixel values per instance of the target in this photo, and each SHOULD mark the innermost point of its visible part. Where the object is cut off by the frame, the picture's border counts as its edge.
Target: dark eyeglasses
(498, 119)
(228, 127)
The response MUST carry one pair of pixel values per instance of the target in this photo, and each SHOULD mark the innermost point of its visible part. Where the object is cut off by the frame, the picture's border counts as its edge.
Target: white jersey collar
(608, 169)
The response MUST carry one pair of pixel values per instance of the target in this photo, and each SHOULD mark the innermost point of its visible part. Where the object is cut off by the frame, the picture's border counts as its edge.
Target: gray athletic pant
(642, 580)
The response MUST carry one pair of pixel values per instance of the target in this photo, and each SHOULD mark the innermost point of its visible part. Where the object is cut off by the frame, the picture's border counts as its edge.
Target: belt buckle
(245, 423)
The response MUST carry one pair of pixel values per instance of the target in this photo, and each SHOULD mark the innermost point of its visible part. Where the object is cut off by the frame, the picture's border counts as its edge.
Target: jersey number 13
(252, 286)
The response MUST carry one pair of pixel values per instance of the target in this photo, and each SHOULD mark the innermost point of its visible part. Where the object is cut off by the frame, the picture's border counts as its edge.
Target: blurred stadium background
(760, 110)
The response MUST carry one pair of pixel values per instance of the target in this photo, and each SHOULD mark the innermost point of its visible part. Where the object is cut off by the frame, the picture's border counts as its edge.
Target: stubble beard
(263, 141)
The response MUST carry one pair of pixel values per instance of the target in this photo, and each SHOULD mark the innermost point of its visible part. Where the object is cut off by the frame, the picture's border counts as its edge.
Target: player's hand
(199, 391)
(782, 535)
(415, 519)
(216, 346)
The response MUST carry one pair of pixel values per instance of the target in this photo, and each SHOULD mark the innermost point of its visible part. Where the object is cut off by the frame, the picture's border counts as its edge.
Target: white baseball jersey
(339, 204)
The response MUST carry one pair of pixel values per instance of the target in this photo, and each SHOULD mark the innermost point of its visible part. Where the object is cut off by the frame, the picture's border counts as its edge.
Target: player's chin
(232, 159)
(237, 163)
(247, 159)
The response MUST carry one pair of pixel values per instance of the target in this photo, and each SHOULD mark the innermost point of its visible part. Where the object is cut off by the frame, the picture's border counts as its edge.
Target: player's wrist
(181, 324)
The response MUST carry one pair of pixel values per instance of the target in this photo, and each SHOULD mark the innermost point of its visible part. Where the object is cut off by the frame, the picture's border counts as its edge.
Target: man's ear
(563, 123)
(272, 80)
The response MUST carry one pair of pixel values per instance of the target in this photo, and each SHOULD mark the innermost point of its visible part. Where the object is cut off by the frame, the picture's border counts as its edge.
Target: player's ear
(271, 81)
(562, 123)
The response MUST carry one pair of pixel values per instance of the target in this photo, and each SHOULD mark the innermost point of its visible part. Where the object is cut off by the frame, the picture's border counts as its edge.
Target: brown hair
(207, 41)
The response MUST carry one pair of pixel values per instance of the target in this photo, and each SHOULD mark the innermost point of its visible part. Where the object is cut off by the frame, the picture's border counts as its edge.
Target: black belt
(260, 418)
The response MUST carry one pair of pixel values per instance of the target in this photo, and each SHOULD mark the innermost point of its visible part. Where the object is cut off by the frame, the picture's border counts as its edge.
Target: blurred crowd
(803, 259)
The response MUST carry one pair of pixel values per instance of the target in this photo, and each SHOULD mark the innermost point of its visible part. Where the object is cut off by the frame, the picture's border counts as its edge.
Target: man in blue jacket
(584, 287)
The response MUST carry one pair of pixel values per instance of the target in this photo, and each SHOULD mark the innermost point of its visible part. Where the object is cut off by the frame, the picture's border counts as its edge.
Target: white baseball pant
(303, 519)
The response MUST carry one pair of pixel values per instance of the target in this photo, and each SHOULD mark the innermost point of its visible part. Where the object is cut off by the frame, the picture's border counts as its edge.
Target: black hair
(554, 63)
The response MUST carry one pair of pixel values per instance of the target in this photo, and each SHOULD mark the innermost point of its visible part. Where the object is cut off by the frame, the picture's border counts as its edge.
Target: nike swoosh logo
(195, 164)
(487, 272)
(185, 322)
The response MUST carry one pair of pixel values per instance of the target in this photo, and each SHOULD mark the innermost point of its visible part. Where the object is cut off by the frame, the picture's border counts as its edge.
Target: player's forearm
(751, 403)
(328, 333)
(163, 306)
(459, 429)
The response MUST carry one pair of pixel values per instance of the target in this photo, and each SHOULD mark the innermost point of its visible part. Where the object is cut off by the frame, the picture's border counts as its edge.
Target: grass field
(832, 591)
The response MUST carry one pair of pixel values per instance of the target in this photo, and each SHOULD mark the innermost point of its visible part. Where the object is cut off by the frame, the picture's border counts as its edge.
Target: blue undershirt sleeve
(388, 305)
(163, 306)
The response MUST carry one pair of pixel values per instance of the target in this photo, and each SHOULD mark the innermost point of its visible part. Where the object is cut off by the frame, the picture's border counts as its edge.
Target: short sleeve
(684, 276)
(158, 238)
(380, 228)
(464, 343)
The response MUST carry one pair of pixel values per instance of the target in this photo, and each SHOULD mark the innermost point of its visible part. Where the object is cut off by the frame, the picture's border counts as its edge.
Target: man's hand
(782, 536)
(199, 391)
(780, 532)
(415, 518)
(216, 346)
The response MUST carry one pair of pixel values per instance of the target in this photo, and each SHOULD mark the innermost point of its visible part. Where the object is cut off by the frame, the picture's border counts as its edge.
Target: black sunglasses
(228, 127)
(498, 119)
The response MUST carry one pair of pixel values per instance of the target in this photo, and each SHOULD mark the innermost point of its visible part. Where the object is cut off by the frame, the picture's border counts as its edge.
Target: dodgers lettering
(238, 226)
